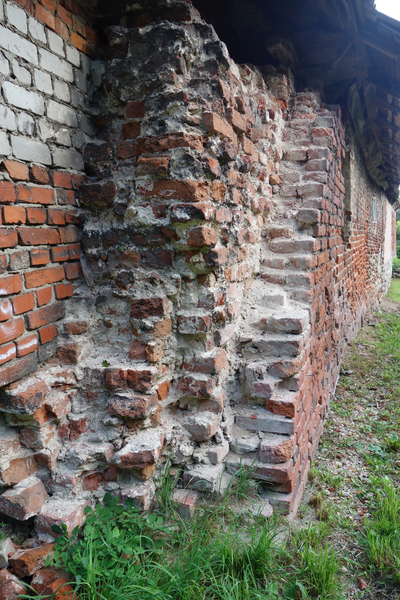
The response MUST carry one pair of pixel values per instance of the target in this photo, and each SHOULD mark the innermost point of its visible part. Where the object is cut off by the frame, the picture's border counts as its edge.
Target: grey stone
(7, 118)
(14, 43)
(46, 130)
(30, 150)
(77, 99)
(86, 64)
(23, 75)
(81, 80)
(43, 82)
(47, 350)
(97, 71)
(16, 17)
(56, 43)
(141, 494)
(4, 145)
(264, 510)
(22, 98)
(68, 159)
(243, 445)
(86, 125)
(61, 90)
(63, 137)
(54, 64)
(37, 30)
(26, 124)
(1, 12)
(204, 478)
(73, 56)
(265, 421)
(6, 548)
(4, 65)
(61, 114)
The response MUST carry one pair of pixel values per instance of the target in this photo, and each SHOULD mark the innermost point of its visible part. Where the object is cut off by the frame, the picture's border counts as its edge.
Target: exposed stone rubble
(226, 260)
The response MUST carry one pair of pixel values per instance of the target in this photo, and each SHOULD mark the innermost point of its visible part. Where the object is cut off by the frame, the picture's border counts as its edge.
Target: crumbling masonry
(187, 247)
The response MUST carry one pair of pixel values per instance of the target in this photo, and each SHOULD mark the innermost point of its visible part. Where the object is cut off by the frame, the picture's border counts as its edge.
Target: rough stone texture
(10, 586)
(201, 295)
(27, 562)
(6, 548)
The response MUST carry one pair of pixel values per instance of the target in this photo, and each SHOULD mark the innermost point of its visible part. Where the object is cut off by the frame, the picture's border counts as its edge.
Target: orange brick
(45, 16)
(44, 295)
(55, 216)
(14, 215)
(40, 257)
(43, 276)
(27, 344)
(27, 5)
(61, 179)
(36, 216)
(34, 194)
(39, 175)
(62, 29)
(8, 238)
(7, 192)
(24, 303)
(47, 334)
(10, 284)
(35, 236)
(63, 290)
(216, 124)
(83, 45)
(49, 4)
(16, 170)
(74, 251)
(59, 253)
(5, 310)
(79, 25)
(11, 330)
(7, 352)
(46, 315)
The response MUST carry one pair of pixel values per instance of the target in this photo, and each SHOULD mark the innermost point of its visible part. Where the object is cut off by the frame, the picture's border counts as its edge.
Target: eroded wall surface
(232, 243)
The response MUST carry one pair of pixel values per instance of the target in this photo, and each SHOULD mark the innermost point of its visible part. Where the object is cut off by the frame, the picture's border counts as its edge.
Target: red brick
(189, 325)
(62, 180)
(154, 259)
(10, 284)
(210, 364)
(61, 29)
(14, 215)
(27, 345)
(126, 149)
(7, 192)
(11, 330)
(47, 334)
(236, 120)
(135, 110)
(132, 405)
(39, 175)
(69, 235)
(75, 327)
(148, 307)
(39, 257)
(83, 45)
(36, 216)
(10, 586)
(215, 124)
(72, 216)
(24, 303)
(74, 251)
(7, 352)
(46, 315)
(45, 16)
(35, 194)
(63, 290)
(130, 130)
(59, 253)
(140, 380)
(201, 236)
(18, 369)
(44, 295)
(73, 270)
(190, 190)
(44, 276)
(16, 170)
(55, 216)
(153, 166)
(8, 238)
(35, 236)
(5, 310)
(65, 15)
(156, 144)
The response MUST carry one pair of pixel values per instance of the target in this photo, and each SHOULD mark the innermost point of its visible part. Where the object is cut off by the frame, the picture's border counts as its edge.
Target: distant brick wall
(44, 122)
(230, 250)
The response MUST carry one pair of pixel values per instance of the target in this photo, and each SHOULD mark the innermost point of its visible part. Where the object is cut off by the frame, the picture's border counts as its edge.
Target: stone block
(277, 448)
(7, 119)
(141, 494)
(6, 548)
(134, 406)
(61, 113)
(217, 453)
(17, 17)
(24, 500)
(204, 478)
(59, 67)
(202, 426)
(37, 30)
(30, 150)
(68, 159)
(43, 82)
(56, 43)
(24, 398)
(5, 148)
(265, 422)
(141, 450)
(22, 74)
(14, 43)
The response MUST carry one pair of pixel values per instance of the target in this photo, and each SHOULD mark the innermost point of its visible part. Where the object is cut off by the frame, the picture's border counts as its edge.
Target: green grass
(394, 292)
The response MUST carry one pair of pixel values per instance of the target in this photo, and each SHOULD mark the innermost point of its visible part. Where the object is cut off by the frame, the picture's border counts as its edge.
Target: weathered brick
(34, 194)
(10, 586)
(24, 500)
(193, 325)
(8, 238)
(45, 315)
(35, 236)
(23, 303)
(202, 236)
(196, 388)
(7, 352)
(44, 276)
(63, 290)
(148, 307)
(44, 295)
(190, 190)
(211, 363)
(27, 344)
(213, 123)
(134, 406)
(17, 370)
(5, 310)
(11, 330)
(47, 334)
(7, 192)
(156, 144)
(140, 380)
(39, 257)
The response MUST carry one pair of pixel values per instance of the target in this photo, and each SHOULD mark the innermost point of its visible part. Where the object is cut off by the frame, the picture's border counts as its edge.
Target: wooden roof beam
(378, 43)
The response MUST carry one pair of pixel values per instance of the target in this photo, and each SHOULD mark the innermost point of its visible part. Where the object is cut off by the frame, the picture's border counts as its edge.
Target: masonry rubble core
(187, 247)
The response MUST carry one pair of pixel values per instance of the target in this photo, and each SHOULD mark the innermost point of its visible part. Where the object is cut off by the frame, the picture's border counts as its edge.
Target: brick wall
(221, 284)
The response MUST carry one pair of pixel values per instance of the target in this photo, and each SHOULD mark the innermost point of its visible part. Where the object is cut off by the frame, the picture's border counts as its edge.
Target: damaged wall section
(220, 288)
